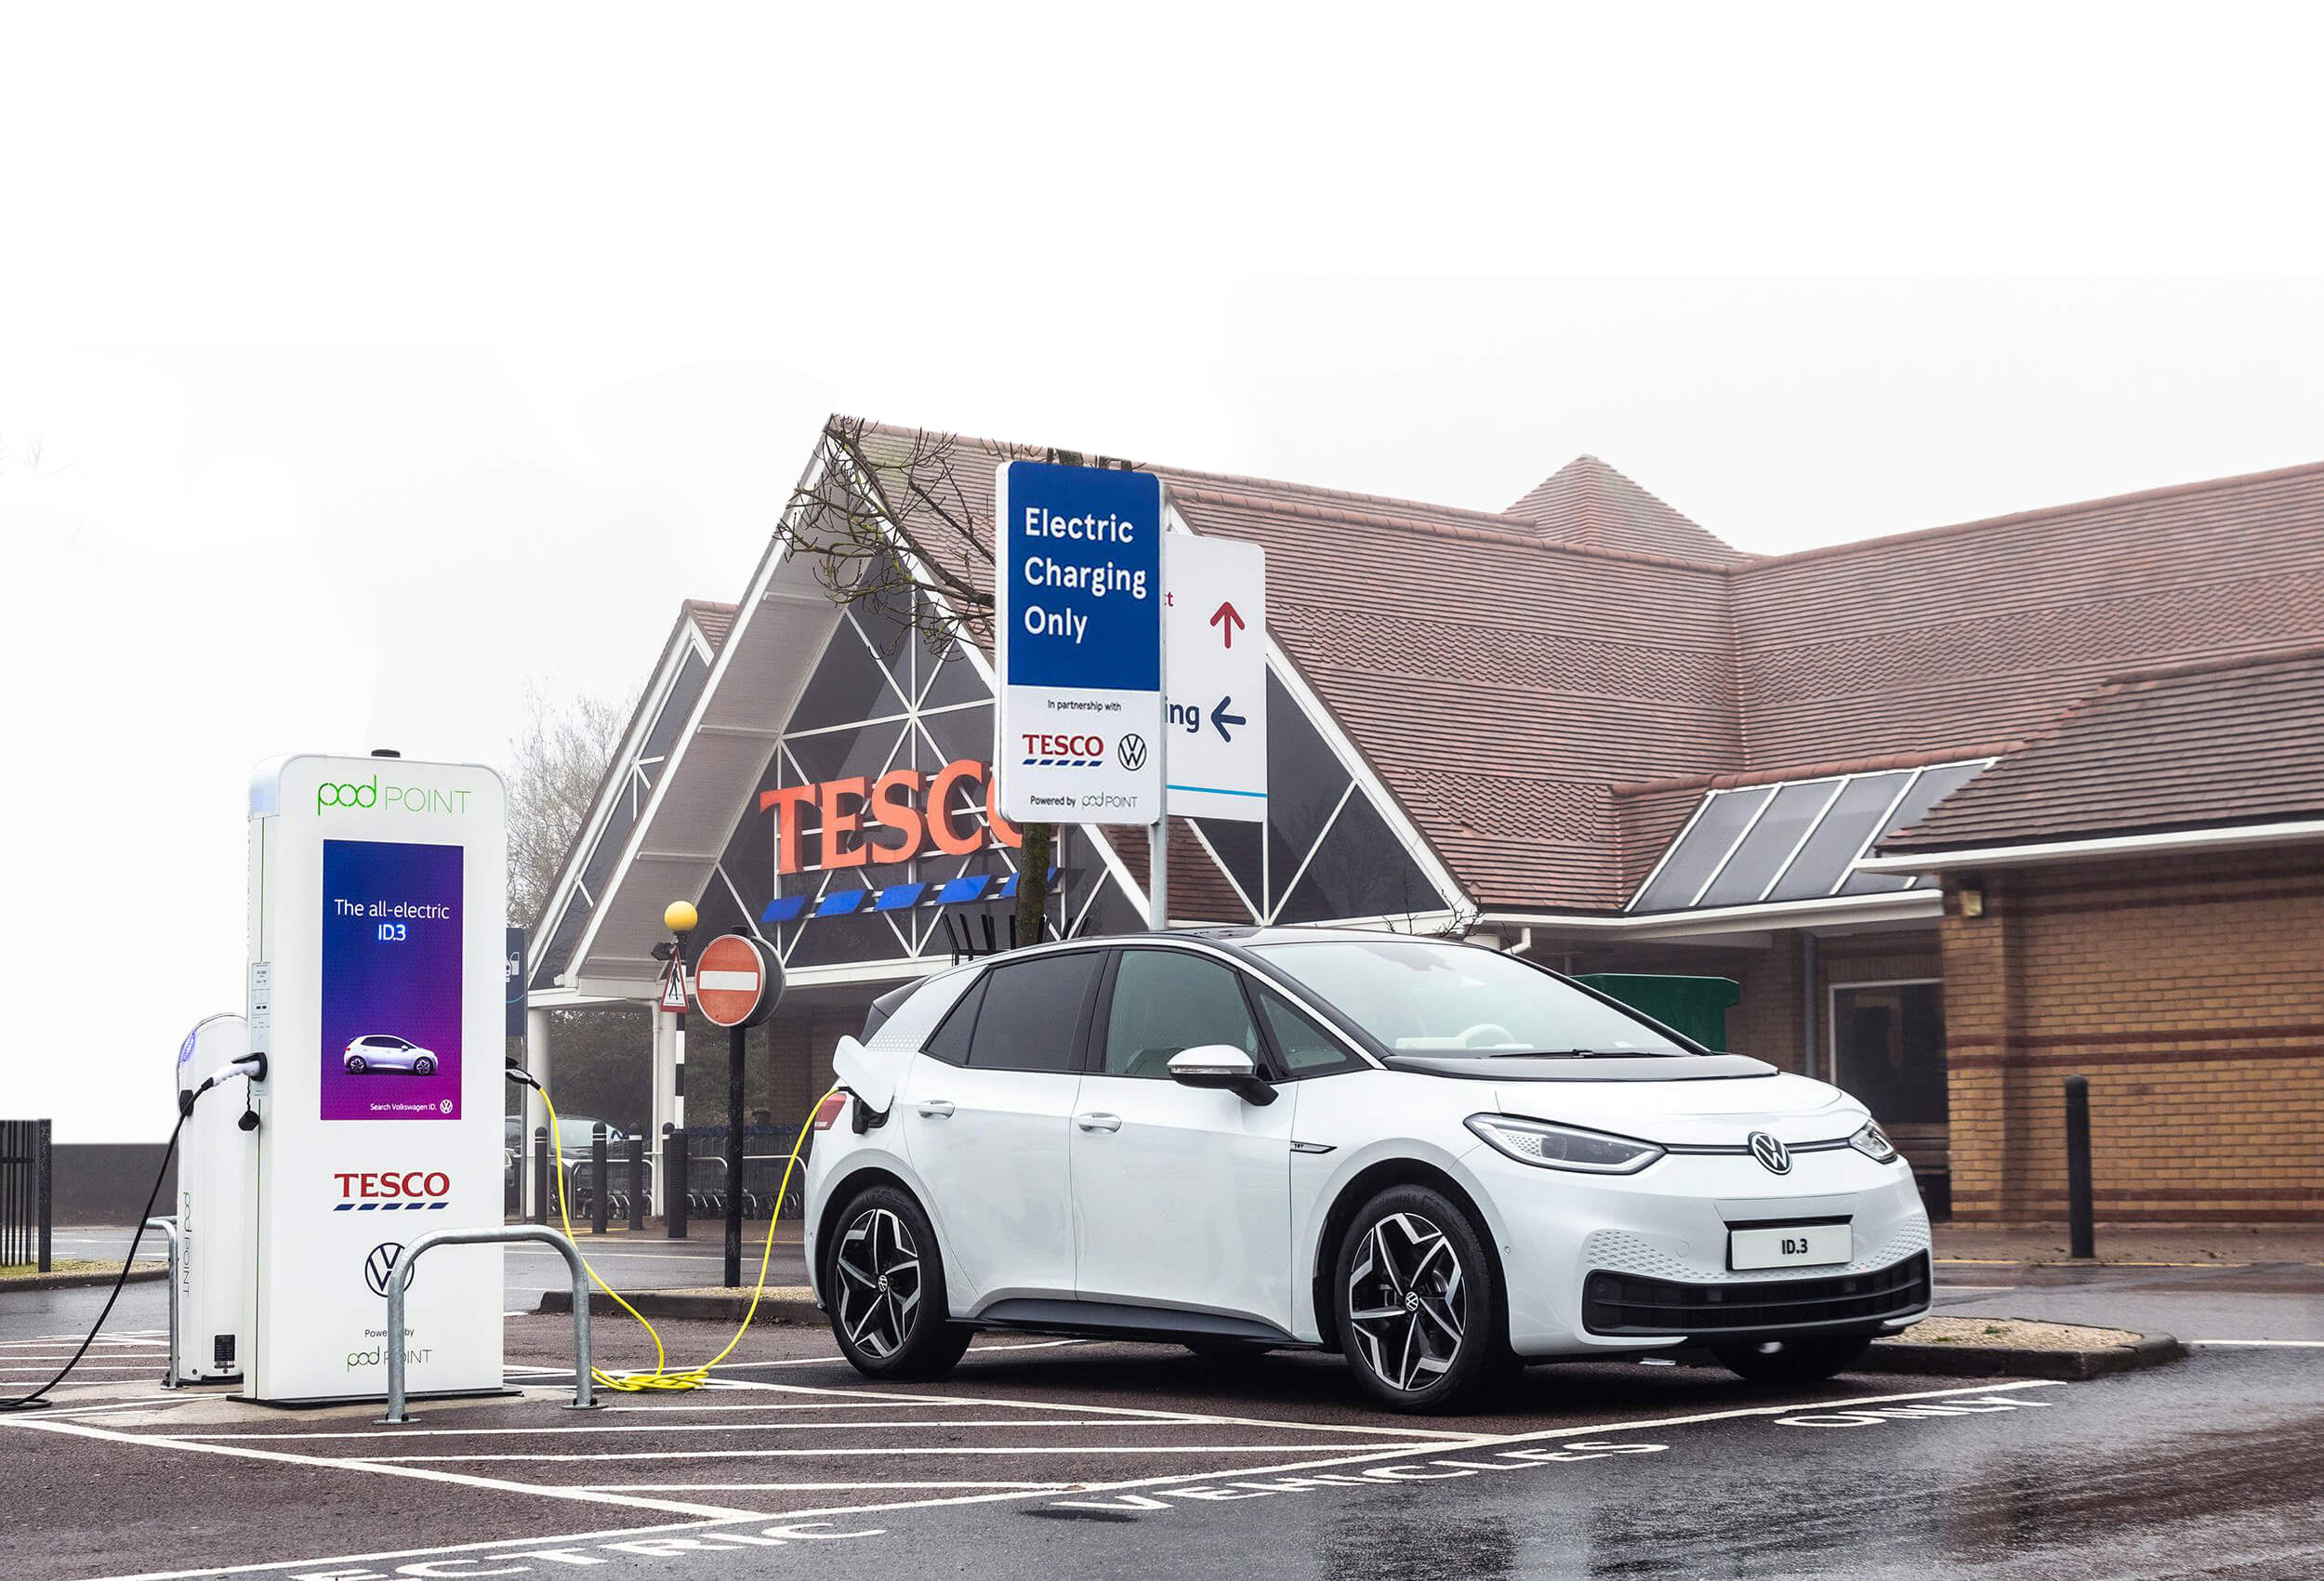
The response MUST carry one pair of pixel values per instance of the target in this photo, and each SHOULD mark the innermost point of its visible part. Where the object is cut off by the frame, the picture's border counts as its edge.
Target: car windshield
(1419, 996)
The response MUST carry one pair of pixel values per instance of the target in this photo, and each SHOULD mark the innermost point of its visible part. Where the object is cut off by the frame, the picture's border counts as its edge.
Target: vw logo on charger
(381, 1266)
(1771, 1152)
(1132, 752)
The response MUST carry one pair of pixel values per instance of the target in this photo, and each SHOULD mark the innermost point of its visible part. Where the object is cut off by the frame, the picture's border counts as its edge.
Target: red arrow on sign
(1227, 618)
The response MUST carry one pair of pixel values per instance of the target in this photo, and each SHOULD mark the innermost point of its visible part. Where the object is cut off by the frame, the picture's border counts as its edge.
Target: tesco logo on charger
(1069, 751)
(389, 1189)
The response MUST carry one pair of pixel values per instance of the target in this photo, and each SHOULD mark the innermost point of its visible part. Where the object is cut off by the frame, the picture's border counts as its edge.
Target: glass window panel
(1701, 849)
(1237, 846)
(558, 956)
(1304, 783)
(1166, 1001)
(1032, 1013)
(849, 684)
(836, 755)
(1888, 1045)
(1305, 1048)
(836, 941)
(685, 691)
(1770, 843)
(1823, 861)
(963, 732)
(1932, 786)
(953, 679)
(1360, 871)
(951, 1041)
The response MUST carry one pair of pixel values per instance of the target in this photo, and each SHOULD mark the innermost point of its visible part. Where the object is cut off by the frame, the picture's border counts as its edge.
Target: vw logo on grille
(1132, 751)
(380, 1264)
(1771, 1152)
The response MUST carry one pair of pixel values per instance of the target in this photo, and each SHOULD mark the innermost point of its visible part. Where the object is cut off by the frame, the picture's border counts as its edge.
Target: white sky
(356, 369)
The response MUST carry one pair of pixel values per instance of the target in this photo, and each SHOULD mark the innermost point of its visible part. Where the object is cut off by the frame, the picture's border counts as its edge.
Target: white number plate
(1790, 1246)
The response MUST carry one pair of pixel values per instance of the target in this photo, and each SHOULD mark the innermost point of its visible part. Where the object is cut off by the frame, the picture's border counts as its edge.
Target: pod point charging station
(376, 896)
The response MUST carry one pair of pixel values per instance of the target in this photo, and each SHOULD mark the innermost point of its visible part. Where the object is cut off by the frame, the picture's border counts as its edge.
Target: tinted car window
(1032, 1012)
(1307, 1050)
(951, 1041)
(1168, 1000)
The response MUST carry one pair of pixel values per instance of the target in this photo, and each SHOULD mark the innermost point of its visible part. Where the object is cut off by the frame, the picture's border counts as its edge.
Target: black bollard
(637, 1182)
(2079, 1211)
(542, 1185)
(597, 1178)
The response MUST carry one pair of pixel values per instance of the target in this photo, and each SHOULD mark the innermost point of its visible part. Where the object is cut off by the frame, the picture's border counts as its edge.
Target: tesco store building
(1956, 812)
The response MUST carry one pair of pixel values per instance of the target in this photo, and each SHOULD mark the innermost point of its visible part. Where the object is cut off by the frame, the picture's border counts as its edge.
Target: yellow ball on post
(678, 918)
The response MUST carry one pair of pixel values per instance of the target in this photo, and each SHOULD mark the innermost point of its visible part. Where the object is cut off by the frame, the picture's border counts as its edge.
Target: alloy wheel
(1407, 1302)
(879, 1282)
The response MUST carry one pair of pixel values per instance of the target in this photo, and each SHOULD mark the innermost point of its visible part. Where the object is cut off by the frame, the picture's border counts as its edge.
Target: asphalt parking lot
(1086, 1458)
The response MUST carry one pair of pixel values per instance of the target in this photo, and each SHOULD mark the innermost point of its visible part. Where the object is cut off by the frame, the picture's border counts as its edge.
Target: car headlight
(1563, 1146)
(1873, 1143)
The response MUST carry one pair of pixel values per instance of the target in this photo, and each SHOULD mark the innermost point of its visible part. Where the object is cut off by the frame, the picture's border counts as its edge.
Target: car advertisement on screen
(392, 986)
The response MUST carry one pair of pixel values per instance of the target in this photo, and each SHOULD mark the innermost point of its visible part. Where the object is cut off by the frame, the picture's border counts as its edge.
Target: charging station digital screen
(392, 989)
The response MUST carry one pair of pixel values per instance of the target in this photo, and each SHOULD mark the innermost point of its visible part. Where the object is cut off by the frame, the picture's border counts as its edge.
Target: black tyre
(1421, 1314)
(358, 1065)
(1790, 1360)
(885, 1284)
(423, 1067)
(1227, 1350)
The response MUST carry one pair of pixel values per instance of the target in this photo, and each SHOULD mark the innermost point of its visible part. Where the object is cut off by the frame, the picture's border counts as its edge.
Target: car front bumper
(1659, 1242)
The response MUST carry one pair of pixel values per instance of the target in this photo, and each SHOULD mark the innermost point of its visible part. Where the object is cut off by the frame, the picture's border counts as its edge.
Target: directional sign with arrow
(1215, 675)
(1227, 619)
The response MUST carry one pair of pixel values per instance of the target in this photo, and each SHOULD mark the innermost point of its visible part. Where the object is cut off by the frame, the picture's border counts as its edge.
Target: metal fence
(27, 1198)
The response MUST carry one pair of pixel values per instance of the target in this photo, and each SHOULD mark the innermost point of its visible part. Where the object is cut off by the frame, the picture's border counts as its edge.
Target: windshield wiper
(1582, 1054)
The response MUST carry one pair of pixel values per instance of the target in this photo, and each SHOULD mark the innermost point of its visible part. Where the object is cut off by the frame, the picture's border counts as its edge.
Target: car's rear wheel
(357, 1064)
(1810, 1360)
(423, 1066)
(885, 1281)
(1421, 1315)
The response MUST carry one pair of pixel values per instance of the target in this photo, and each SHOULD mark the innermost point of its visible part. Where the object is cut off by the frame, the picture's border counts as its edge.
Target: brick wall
(2189, 989)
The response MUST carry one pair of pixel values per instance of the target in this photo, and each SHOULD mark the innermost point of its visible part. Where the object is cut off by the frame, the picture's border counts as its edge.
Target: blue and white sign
(1078, 737)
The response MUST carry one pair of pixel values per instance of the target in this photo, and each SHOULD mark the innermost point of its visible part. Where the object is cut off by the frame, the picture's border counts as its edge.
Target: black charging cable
(34, 1402)
(249, 1122)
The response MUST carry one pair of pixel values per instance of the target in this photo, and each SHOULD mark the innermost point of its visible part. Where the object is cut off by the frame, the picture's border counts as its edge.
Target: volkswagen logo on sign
(380, 1265)
(1132, 750)
(1771, 1152)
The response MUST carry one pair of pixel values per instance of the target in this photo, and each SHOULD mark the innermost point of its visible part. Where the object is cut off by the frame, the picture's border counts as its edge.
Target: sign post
(1217, 673)
(738, 985)
(1078, 627)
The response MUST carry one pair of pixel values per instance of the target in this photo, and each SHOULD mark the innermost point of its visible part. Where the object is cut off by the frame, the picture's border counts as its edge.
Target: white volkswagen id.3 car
(1440, 1160)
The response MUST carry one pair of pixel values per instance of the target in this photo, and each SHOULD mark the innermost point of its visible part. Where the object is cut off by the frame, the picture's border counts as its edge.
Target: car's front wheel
(1790, 1360)
(423, 1066)
(884, 1280)
(1421, 1314)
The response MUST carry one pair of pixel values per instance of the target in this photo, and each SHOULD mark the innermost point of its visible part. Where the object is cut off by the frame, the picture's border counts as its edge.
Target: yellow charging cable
(661, 1376)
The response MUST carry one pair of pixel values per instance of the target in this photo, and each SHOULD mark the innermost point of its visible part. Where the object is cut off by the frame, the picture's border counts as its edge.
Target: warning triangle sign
(674, 989)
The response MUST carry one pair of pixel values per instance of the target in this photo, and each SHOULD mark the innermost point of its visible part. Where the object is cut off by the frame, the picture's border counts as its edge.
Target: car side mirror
(1221, 1065)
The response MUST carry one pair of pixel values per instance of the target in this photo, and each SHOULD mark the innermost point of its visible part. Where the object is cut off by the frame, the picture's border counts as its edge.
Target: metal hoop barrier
(399, 1280)
(169, 1227)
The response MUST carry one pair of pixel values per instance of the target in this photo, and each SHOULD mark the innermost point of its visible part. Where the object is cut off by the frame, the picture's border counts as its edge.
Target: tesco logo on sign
(392, 1186)
(1063, 751)
(902, 814)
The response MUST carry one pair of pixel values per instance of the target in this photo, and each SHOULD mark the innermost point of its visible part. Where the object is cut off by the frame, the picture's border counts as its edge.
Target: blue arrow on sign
(1220, 718)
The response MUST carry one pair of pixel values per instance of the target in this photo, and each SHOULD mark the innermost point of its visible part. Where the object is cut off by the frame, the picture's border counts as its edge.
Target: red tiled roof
(1505, 673)
(2235, 741)
(713, 619)
(1588, 502)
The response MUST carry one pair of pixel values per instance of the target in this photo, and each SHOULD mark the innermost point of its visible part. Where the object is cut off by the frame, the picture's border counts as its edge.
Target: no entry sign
(737, 981)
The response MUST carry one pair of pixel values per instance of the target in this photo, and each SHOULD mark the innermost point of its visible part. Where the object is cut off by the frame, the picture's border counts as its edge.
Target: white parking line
(1141, 1412)
(397, 1434)
(850, 1451)
(814, 1487)
(1002, 1496)
(547, 1490)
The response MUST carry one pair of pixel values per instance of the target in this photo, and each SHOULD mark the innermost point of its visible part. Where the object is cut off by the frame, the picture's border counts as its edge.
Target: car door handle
(1096, 1122)
(935, 1108)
